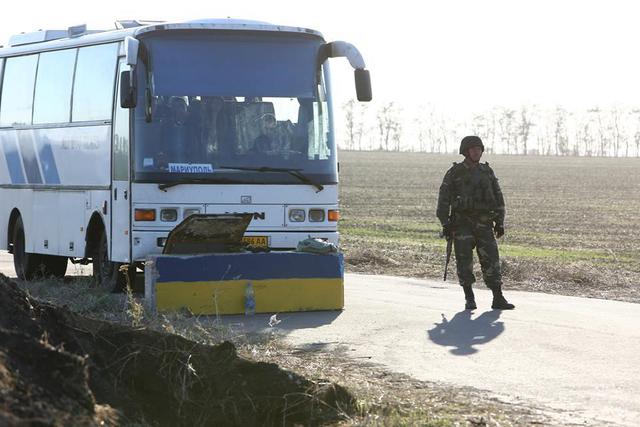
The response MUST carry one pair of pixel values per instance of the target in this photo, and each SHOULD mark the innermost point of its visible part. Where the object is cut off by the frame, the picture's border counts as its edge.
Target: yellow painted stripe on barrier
(273, 295)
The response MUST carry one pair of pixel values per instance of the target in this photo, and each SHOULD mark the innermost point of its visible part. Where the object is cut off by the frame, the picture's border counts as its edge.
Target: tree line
(528, 130)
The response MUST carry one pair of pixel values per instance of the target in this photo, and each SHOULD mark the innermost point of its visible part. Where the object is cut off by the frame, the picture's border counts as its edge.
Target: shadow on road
(287, 321)
(292, 321)
(463, 333)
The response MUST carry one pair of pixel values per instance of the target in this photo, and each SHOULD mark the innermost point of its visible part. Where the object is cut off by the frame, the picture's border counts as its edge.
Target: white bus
(109, 139)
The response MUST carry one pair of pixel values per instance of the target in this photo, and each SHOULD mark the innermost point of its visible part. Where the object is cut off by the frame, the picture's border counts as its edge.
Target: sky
(460, 56)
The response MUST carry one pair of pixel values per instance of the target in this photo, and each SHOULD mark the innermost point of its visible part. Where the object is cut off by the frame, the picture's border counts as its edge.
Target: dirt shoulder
(58, 367)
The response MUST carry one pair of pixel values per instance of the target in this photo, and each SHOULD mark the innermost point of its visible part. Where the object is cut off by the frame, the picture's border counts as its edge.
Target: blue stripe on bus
(248, 266)
(12, 157)
(48, 161)
(29, 158)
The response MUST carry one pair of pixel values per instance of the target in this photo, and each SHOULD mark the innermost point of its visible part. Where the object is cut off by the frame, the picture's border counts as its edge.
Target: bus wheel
(27, 265)
(107, 273)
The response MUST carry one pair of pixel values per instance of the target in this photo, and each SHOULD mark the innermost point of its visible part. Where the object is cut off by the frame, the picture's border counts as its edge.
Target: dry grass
(390, 399)
(571, 222)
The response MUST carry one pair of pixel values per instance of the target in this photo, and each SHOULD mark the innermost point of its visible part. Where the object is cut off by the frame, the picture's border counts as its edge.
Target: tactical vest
(473, 192)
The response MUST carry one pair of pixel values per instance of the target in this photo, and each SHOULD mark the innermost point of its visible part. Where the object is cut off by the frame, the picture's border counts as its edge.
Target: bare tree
(388, 125)
(603, 141)
(547, 134)
(492, 128)
(479, 124)
(616, 134)
(561, 138)
(635, 112)
(349, 107)
(424, 127)
(360, 123)
(506, 123)
(586, 138)
(396, 135)
(525, 129)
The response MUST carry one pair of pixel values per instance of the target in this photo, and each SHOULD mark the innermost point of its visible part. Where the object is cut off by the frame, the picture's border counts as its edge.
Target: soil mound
(60, 368)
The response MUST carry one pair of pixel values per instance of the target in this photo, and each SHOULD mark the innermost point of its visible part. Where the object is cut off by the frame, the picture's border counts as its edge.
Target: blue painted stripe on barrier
(14, 164)
(29, 159)
(248, 266)
(48, 160)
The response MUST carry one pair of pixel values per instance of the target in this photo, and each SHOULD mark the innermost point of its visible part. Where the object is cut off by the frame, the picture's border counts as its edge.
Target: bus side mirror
(128, 92)
(363, 85)
(131, 47)
(347, 50)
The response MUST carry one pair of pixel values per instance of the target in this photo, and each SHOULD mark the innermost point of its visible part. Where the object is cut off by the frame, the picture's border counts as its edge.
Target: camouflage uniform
(475, 200)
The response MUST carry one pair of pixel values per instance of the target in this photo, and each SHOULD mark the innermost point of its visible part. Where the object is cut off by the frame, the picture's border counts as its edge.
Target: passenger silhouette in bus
(261, 144)
(176, 132)
(210, 107)
(221, 113)
(194, 122)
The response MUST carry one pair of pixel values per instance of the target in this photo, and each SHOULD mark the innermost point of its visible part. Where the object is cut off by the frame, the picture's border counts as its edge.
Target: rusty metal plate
(208, 233)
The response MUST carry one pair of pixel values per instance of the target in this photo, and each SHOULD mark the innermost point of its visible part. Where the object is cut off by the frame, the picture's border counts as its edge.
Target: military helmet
(470, 141)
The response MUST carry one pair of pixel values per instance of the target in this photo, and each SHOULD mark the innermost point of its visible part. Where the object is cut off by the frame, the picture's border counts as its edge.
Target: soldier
(471, 209)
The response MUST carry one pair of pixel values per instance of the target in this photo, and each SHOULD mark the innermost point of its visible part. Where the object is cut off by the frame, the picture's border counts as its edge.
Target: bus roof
(60, 39)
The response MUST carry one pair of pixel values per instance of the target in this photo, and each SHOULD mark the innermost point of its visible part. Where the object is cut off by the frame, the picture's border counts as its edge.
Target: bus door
(120, 172)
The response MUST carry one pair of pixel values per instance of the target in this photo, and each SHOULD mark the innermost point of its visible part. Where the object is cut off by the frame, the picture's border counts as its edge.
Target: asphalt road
(578, 356)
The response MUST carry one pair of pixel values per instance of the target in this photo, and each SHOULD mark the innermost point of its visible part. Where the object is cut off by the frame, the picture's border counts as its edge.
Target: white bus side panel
(45, 223)
(56, 178)
(81, 155)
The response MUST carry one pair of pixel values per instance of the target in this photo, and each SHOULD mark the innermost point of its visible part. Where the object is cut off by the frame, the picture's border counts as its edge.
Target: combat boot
(470, 300)
(499, 301)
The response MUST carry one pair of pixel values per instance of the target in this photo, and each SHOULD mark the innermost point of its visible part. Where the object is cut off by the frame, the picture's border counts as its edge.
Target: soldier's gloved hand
(447, 230)
(499, 230)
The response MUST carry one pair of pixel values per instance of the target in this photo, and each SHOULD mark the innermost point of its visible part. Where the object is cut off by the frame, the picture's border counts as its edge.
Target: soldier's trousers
(470, 234)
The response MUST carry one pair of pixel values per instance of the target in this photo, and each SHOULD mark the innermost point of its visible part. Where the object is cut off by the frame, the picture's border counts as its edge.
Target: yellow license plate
(262, 241)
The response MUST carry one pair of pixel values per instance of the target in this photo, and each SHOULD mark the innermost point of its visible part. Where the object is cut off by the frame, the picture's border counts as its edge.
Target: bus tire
(27, 265)
(107, 273)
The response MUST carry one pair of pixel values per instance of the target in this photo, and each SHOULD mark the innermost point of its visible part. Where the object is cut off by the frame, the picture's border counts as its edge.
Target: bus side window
(17, 90)
(53, 87)
(93, 86)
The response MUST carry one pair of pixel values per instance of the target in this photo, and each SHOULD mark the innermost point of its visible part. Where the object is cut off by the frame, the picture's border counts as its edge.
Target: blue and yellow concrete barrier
(216, 283)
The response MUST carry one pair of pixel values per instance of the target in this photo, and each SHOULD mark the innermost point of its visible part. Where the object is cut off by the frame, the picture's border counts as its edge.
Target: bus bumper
(145, 243)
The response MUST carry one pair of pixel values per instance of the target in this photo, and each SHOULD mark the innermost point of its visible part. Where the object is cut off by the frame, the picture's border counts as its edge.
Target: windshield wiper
(166, 185)
(293, 172)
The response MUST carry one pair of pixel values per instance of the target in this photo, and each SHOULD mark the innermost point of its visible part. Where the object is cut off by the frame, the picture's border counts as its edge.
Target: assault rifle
(449, 237)
(446, 264)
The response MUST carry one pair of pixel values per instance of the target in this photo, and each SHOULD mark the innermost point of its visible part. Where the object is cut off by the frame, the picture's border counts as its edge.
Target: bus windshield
(233, 100)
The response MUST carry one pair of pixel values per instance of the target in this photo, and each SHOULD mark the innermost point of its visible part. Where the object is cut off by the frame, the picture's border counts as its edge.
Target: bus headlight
(296, 215)
(169, 215)
(316, 215)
